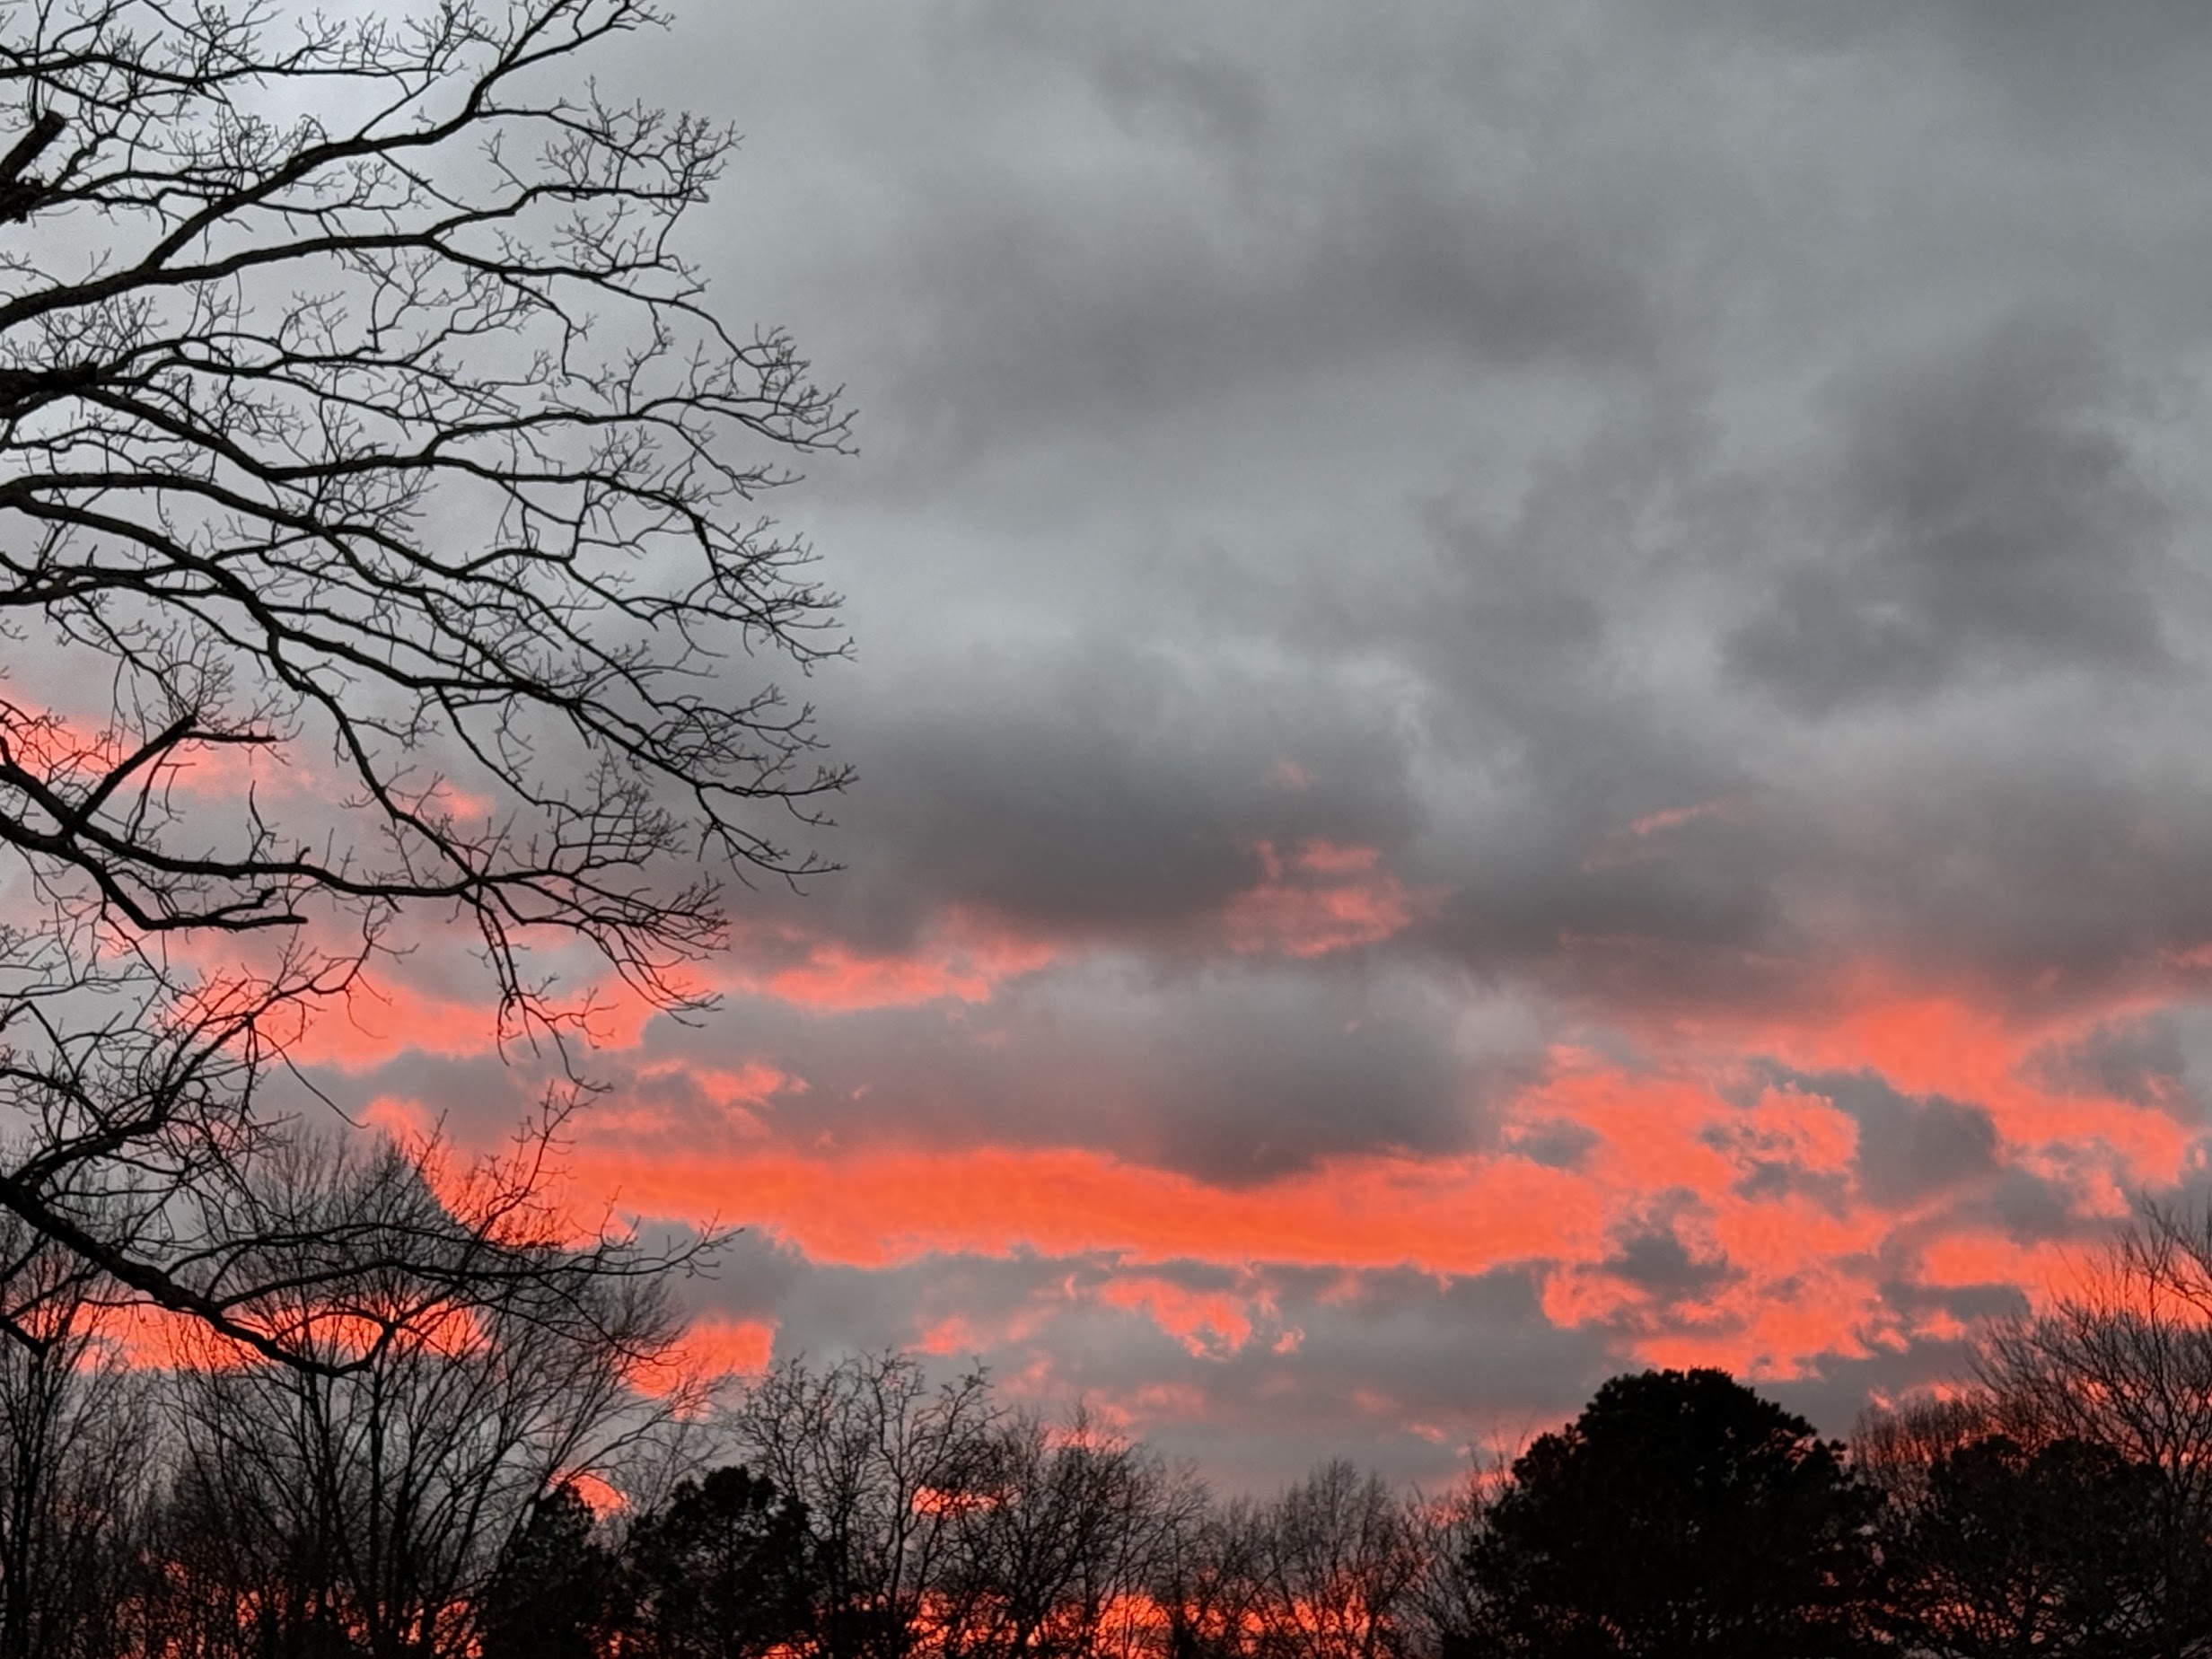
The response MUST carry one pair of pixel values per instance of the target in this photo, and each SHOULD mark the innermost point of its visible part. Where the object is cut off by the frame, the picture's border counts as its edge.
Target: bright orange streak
(146, 1337)
(720, 1345)
(1961, 1261)
(838, 979)
(1759, 1189)
(1761, 1194)
(880, 1207)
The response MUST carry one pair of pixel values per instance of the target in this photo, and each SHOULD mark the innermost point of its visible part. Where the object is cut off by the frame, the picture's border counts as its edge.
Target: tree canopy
(2007, 1550)
(1679, 1514)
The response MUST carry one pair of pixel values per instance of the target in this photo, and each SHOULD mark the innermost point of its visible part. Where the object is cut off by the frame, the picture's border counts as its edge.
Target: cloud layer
(1528, 701)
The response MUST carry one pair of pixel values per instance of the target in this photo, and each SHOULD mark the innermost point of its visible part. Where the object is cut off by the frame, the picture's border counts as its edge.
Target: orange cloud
(151, 1338)
(948, 1336)
(1321, 896)
(1209, 1324)
(438, 1000)
(1977, 1257)
(720, 1345)
(883, 1206)
(1770, 1331)
(1801, 1131)
(1936, 1043)
(1759, 1194)
(1780, 1260)
(963, 958)
(369, 1027)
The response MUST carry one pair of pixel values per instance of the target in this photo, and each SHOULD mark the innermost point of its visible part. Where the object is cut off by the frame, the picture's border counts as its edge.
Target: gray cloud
(2142, 1060)
(1987, 515)
(1109, 789)
(1718, 510)
(1655, 1260)
(2044, 41)
(1910, 1148)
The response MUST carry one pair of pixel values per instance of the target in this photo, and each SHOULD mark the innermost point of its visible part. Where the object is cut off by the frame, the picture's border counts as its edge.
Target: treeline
(499, 1486)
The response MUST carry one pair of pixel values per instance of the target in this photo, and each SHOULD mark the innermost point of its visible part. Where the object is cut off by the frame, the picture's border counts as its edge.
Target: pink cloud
(963, 958)
(1320, 896)
(714, 1344)
(878, 1206)
(1209, 1324)
(1760, 1194)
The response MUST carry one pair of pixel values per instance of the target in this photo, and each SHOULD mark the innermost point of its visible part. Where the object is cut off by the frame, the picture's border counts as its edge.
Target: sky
(1529, 699)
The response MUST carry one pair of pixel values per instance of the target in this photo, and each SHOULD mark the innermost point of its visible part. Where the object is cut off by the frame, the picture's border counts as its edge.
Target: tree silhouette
(719, 1572)
(378, 526)
(552, 1595)
(1062, 1529)
(2011, 1552)
(377, 1489)
(1339, 1557)
(1212, 1587)
(1680, 1516)
(2123, 1360)
(885, 1466)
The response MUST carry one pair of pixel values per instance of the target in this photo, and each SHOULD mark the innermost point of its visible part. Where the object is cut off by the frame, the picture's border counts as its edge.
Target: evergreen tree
(720, 1571)
(2010, 1552)
(551, 1596)
(1680, 1516)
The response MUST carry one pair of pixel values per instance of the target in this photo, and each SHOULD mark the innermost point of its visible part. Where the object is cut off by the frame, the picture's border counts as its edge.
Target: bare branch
(381, 492)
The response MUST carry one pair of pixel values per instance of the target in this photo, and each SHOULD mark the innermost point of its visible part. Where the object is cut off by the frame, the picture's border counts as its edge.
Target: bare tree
(1895, 1446)
(1064, 1528)
(1211, 1588)
(75, 1455)
(885, 1466)
(2123, 1362)
(377, 531)
(1342, 1555)
(1446, 1613)
(374, 1493)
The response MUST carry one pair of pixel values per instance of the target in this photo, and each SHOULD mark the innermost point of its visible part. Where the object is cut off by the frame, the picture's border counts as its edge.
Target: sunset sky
(1529, 697)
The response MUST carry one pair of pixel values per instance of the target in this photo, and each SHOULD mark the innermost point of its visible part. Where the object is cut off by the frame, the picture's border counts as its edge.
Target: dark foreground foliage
(1679, 1513)
(860, 1512)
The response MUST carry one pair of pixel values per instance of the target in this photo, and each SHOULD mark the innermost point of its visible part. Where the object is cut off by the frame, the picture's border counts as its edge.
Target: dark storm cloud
(1987, 515)
(1228, 249)
(1110, 787)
